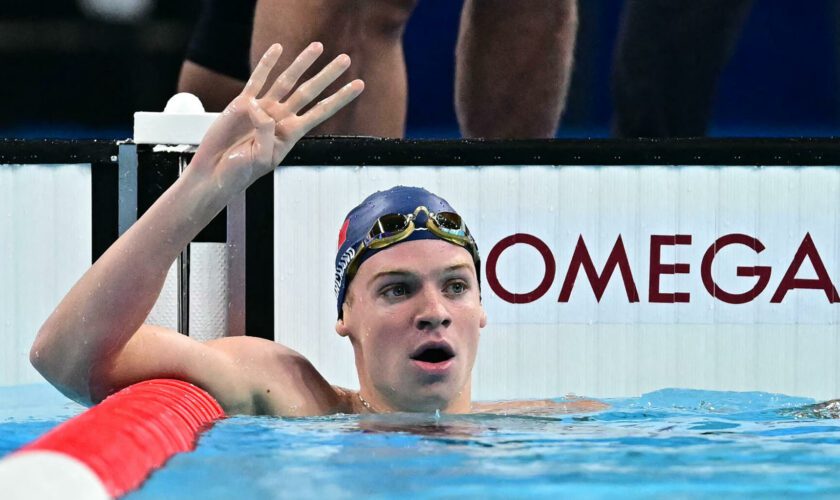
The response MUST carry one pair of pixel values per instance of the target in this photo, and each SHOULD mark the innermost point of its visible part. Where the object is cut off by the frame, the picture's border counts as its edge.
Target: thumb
(263, 144)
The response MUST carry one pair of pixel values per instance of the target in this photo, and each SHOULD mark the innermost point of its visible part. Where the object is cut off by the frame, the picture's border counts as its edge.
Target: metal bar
(183, 275)
(127, 187)
(236, 266)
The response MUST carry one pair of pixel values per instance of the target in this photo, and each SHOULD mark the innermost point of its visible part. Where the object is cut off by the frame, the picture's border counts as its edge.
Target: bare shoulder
(539, 407)
(250, 347)
(280, 380)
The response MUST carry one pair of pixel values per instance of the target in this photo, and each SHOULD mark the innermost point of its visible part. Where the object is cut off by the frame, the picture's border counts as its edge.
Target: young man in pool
(408, 283)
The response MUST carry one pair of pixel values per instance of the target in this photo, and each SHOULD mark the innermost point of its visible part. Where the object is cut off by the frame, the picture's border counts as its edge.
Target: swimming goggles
(393, 228)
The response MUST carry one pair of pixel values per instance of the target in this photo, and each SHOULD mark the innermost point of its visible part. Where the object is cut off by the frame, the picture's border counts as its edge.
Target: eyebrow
(386, 274)
(457, 267)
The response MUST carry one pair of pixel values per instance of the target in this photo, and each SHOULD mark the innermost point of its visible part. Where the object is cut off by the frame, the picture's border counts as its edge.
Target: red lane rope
(133, 432)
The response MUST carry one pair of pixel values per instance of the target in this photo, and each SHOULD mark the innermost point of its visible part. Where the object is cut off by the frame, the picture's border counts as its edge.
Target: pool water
(668, 443)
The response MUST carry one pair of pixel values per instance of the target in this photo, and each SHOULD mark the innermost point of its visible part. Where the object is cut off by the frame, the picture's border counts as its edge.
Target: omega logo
(618, 261)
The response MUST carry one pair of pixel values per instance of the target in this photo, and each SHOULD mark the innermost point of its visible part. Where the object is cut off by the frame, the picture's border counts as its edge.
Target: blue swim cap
(360, 220)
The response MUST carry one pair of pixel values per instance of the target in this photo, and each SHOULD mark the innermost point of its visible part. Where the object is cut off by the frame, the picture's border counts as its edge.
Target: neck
(371, 402)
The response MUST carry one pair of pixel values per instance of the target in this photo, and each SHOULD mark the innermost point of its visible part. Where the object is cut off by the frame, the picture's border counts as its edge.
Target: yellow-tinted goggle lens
(450, 222)
(388, 225)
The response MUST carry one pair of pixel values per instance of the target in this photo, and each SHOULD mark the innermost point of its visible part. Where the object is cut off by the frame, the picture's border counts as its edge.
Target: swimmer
(406, 279)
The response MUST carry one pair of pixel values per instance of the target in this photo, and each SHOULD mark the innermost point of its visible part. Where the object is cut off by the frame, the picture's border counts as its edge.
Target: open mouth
(438, 353)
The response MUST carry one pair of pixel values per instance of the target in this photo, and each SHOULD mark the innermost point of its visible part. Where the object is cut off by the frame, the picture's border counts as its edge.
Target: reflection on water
(827, 409)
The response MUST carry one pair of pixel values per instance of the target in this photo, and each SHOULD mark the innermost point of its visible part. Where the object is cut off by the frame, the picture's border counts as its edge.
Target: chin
(431, 397)
(428, 404)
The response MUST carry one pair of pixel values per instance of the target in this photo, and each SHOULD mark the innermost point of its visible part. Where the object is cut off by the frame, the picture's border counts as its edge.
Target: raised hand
(255, 132)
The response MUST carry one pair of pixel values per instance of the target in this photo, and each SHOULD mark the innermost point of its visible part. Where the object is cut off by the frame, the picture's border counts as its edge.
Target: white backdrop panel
(45, 246)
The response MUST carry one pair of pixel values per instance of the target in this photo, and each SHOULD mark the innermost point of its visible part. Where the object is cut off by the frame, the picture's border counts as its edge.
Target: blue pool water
(667, 443)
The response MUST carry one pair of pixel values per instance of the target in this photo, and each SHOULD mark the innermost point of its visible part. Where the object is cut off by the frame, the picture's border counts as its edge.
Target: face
(413, 315)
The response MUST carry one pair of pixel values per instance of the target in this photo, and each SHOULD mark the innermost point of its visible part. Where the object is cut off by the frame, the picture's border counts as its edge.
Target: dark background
(69, 75)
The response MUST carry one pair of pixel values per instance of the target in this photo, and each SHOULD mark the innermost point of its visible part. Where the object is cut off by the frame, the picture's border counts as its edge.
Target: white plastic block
(183, 121)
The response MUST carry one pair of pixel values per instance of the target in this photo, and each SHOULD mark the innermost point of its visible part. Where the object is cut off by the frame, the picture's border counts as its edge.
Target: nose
(432, 312)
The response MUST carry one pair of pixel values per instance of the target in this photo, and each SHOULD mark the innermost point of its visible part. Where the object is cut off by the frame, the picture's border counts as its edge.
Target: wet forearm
(110, 302)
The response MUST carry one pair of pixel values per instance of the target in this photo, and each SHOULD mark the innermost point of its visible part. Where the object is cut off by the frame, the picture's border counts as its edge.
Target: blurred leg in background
(668, 58)
(369, 31)
(514, 63)
(216, 65)
(514, 59)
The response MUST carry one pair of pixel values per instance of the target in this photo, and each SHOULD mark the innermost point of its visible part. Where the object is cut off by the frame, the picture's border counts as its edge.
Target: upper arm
(237, 371)
(157, 352)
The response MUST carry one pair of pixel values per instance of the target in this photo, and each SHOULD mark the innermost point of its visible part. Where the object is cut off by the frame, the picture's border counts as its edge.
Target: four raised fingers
(305, 94)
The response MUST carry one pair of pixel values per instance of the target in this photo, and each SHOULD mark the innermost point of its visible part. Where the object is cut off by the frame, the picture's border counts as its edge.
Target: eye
(456, 287)
(395, 291)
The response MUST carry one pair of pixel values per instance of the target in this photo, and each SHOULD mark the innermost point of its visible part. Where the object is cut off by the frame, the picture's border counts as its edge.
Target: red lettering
(763, 272)
(657, 268)
(493, 259)
(790, 281)
(617, 258)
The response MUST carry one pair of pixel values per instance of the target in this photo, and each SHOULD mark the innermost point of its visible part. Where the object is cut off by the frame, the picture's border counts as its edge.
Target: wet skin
(412, 298)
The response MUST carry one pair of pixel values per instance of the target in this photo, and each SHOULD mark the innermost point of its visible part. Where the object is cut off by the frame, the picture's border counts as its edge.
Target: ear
(341, 328)
(483, 319)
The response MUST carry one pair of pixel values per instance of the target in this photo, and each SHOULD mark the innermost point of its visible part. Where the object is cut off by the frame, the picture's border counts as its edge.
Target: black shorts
(668, 59)
(221, 40)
